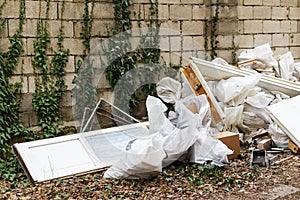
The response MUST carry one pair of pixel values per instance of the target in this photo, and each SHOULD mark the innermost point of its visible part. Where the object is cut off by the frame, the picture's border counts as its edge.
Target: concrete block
(31, 84)
(290, 3)
(253, 26)
(163, 12)
(295, 39)
(76, 8)
(187, 43)
(262, 12)
(165, 57)
(271, 26)
(69, 79)
(253, 2)
(192, 1)
(137, 12)
(29, 48)
(35, 8)
(294, 24)
(167, 1)
(199, 12)
(101, 27)
(198, 42)
(285, 26)
(175, 43)
(225, 41)
(174, 27)
(228, 27)
(294, 13)
(71, 64)
(260, 39)
(176, 58)
(103, 10)
(29, 28)
(279, 13)
(271, 2)
(164, 43)
(11, 9)
(17, 79)
(4, 44)
(74, 45)
(245, 41)
(13, 25)
(245, 12)
(67, 113)
(296, 52)
(280, 40)
(25, 63)
(192, 27)
(181, 12)
(26, 103)
(228, 12)
(54, 27)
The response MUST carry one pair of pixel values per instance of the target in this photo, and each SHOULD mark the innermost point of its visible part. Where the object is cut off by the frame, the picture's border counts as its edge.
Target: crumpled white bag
(233, 117)
(234, 90)
(168, 142)
(278, 136)
(286, 65)
(259, 98)
(262, 52)
(168, 90)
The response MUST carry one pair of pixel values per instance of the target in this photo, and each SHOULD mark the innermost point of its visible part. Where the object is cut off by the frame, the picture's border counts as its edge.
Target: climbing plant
(120, 45)
(49, 77)
(11, 127)
(84, 90)
(213, 34)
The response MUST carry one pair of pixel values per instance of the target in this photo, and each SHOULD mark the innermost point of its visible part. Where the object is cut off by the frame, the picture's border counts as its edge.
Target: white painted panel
(270, 83)
(78, 153)
(286, 115)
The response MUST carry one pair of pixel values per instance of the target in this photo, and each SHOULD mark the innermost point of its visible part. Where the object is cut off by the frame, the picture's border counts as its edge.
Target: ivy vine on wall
(84, 90)
(213, 33)
(11, 126)
(49, 77)
(120, 45)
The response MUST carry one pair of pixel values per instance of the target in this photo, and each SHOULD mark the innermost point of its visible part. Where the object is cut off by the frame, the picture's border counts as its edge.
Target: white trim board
(70, 155)
(285, 114)
(270, 83)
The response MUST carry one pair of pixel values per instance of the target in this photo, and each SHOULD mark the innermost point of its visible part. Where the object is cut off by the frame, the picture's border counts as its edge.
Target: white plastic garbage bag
(169, 142)
(233, 117)
(207, 148)
(168, 90)
(278, 136)
(262, 52)
(286, 66)
(259, 98)
(234, 90)
(144, 159)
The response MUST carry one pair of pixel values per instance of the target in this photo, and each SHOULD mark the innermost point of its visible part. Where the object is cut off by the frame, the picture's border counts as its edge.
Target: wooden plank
(199, 86)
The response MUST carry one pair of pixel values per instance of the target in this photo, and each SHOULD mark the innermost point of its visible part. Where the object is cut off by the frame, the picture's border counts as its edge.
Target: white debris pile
(262, 59)
(185, 134)
(243, 103)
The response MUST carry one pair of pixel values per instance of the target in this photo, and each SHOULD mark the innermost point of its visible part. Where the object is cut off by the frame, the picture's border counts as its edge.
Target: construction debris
(216, 107)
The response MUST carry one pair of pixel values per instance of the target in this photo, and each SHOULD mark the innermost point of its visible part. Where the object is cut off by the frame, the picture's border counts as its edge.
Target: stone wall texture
(243, 24)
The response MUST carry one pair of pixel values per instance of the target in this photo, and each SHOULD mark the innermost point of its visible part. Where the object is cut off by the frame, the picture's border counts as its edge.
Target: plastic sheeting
(187, 134)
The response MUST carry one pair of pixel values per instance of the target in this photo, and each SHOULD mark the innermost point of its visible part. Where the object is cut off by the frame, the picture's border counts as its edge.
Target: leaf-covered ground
(178, 181)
